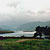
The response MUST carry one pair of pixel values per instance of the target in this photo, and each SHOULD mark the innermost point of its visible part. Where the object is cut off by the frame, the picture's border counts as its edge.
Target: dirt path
(22, 40)
(26, 40)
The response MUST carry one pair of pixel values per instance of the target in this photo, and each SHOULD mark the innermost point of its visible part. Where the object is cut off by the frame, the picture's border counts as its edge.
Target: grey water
(19, 34)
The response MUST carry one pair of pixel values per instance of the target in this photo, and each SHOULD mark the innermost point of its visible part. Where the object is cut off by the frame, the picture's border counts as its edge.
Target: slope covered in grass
(25, 45)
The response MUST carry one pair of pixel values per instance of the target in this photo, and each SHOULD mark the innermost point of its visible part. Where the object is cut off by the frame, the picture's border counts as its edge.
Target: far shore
(3, 32)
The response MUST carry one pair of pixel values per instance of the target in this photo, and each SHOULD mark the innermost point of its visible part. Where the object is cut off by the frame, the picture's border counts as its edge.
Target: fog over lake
(18, 34)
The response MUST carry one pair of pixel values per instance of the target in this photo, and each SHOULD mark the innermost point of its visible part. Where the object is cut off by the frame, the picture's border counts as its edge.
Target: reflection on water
(19, 34)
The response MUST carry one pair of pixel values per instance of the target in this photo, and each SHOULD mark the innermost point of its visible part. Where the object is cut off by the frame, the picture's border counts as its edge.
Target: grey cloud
(30, 12)
(21, 18)
(42, 12)
(14, 4)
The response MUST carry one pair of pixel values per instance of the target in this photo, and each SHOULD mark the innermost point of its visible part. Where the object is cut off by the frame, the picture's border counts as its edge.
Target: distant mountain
(24, 27)
(1, 29)
(31, 26)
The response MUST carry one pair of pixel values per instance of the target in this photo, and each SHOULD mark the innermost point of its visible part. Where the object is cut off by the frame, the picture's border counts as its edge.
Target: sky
(23, 11)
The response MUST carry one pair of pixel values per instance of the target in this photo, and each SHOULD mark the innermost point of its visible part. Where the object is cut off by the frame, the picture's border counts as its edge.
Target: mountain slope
(32, 25)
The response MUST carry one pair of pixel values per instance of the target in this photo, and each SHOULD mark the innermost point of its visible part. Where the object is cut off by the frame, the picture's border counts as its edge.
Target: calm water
(19, 34)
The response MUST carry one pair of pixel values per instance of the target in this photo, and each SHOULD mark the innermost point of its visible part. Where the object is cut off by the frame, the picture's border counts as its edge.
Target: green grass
(37, 44)
(9, 40)
(11, 44)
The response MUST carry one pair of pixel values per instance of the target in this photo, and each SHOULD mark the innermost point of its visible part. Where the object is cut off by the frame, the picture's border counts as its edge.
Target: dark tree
(42, 30)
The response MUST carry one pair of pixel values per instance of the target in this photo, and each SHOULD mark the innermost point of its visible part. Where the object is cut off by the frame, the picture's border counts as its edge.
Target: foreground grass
(11, 44)
(9, 40)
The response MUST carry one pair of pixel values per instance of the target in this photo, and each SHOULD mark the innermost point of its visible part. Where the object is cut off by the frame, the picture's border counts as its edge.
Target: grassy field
(34, 44)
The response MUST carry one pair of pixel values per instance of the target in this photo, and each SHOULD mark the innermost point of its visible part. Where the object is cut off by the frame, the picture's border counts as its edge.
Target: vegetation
(42, 30)
(9, 40)
(26, 45)
(2, 32)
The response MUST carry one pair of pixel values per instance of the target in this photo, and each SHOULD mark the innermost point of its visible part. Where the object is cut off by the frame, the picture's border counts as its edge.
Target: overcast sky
(20, 11)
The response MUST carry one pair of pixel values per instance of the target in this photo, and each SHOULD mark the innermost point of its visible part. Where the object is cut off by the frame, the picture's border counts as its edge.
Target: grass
(11, 44)
(9, 40)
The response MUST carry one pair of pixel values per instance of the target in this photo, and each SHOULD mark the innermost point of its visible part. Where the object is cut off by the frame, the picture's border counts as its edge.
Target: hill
(32, 25)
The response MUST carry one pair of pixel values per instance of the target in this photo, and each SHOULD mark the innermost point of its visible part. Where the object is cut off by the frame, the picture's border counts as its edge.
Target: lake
(18, 34)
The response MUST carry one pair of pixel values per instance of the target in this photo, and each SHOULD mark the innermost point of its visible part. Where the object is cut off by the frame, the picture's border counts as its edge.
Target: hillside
(32, 25)
(2, 31)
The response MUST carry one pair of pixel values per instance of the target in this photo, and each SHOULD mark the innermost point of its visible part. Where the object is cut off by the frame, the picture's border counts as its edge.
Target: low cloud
(13, 5)
(18, 12)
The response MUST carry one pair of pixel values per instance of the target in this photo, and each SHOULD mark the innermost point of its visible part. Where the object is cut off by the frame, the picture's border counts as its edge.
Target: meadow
(34, 44)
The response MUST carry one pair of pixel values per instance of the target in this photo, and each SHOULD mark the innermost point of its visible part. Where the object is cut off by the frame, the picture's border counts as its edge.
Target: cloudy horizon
(23, 11)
